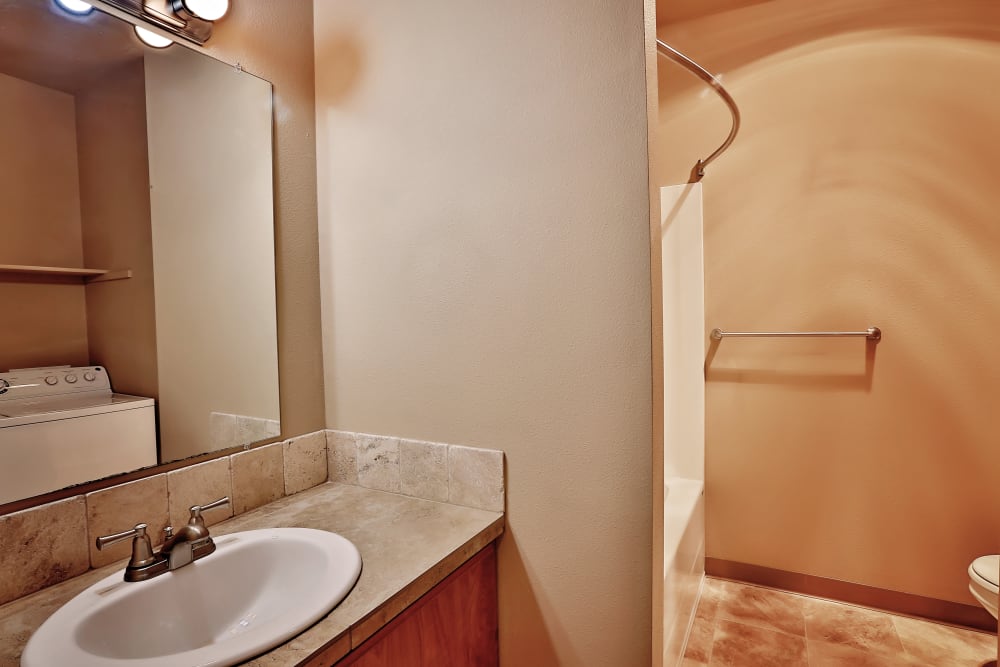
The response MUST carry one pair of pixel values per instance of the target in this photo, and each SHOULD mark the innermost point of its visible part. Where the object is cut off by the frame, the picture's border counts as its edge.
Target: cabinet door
(452, 625)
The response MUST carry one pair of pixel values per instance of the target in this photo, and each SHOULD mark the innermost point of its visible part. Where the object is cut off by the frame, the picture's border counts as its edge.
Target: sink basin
(259, 589)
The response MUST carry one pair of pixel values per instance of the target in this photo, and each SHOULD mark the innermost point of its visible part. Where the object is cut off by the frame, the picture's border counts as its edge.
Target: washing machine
(63, 425)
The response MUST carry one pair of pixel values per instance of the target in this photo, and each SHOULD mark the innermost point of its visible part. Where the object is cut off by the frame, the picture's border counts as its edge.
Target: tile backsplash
(44, 545)
(434, 471)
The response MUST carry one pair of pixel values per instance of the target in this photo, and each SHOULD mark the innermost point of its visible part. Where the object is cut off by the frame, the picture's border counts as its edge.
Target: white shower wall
(683, 412)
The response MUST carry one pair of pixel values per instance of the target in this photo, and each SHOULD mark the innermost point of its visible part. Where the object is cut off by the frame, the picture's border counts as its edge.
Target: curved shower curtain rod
(665, 49)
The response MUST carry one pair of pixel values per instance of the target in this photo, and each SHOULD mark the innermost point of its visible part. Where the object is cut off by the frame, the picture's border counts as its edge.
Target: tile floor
(739, 625)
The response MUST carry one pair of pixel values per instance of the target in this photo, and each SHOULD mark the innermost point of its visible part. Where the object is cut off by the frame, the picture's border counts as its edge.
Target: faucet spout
(189, 544)
(180, 555)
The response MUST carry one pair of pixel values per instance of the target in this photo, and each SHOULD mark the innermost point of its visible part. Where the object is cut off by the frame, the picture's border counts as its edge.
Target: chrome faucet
(191, 542)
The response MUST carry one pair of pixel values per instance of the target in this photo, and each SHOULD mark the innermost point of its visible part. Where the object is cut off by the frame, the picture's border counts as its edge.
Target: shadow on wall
(529, 613)
(860, 192)
(841, 377)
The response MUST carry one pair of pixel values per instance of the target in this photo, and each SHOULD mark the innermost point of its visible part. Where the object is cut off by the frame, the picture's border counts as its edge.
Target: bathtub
(683, 562)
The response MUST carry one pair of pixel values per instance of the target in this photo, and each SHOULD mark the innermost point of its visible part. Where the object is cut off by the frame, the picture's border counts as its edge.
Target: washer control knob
(51, 380)
(89, 377)
(71, 378)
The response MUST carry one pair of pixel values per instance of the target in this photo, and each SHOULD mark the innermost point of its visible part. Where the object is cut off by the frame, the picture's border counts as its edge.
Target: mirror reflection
(137, 253)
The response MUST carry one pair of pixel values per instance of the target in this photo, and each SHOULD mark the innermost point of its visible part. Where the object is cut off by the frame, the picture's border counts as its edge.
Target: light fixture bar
(189, 28)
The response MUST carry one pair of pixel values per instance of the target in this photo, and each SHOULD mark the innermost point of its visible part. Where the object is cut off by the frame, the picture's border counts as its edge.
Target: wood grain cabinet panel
(452, 625)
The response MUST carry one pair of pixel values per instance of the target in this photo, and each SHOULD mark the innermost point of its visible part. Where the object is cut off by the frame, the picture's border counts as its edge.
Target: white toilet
(984, 581)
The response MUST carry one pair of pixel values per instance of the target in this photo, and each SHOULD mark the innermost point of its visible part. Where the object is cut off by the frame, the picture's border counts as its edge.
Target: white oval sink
(259, 589)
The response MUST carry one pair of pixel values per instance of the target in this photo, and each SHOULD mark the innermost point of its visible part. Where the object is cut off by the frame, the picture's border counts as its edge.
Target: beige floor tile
(712, 593)
(852, 626)
(763, 608)
(741, 625)
(937, 644)
(740, 645)
(699, 645)
(825, 654)
(688, 662)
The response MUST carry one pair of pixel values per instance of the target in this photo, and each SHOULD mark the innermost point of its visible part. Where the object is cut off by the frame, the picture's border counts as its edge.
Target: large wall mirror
(136, 252)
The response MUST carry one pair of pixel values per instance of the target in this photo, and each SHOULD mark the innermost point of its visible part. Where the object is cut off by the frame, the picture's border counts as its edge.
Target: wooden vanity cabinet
(453, 625)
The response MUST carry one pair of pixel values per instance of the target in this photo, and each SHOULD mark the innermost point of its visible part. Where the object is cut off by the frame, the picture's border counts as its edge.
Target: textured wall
(861, 191)
(274, 40)
(485, 242)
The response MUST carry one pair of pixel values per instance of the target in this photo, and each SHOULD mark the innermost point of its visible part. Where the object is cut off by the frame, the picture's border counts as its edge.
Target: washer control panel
(52, 381)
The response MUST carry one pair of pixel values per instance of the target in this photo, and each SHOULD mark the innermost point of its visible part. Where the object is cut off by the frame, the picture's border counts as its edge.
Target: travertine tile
(764, 608)
(258, 477)
(699, 644)
(423, 469)
(199, 485)
(839, 634)
(937, 644)
(305, 462)
(251, 429)
(825, 654)
(712, 593)
(741, 645)
(378, 462)
(861, 628)
(121, 507)
(222, 430)
(342, 448)
(42, 546)
(475, 478)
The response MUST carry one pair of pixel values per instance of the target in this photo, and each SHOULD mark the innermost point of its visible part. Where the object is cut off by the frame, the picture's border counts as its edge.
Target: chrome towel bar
(871, 333)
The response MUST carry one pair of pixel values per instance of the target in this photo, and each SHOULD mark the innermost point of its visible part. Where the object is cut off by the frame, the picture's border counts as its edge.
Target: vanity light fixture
(190, 20)
(206, 10)
(77, 7)
(152, 39)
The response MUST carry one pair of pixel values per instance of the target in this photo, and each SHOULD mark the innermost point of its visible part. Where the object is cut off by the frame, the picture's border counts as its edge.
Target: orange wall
(861, 191)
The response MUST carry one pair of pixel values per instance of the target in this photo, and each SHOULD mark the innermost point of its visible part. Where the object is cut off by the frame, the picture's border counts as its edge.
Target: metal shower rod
(665, 49)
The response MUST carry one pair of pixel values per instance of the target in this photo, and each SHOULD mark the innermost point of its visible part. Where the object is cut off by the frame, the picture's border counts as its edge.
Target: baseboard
(944, 611)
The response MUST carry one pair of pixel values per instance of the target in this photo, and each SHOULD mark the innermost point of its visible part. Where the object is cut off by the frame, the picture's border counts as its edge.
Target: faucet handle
(142, 548)
(196, 510)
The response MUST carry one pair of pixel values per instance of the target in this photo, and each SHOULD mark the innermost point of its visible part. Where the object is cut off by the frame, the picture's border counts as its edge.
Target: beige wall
(275, 41)
(211, 209)
(40, 196)
(861, 191)
(485, 243)
(111, 123)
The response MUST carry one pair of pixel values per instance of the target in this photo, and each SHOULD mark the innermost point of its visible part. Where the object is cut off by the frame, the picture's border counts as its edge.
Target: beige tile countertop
(407, 546)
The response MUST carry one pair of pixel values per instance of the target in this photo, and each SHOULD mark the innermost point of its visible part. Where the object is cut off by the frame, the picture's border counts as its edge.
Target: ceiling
(671, 12)
(45, 45)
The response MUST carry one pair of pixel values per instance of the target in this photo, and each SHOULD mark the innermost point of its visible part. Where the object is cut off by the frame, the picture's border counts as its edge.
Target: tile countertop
(407, 546)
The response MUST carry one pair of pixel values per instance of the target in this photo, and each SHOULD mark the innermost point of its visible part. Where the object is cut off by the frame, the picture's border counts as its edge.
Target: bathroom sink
(259, 589)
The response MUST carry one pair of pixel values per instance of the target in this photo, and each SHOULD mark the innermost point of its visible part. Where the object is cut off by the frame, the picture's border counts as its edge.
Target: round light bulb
(150, 38)
(77, 7)
(208, 10)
